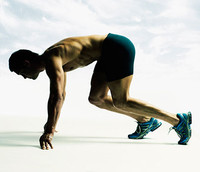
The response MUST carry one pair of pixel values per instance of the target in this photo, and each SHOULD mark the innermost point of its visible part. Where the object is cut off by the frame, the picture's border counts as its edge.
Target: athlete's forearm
(54, 110)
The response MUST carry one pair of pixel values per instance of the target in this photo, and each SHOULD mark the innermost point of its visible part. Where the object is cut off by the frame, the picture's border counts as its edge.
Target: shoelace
(171, 128)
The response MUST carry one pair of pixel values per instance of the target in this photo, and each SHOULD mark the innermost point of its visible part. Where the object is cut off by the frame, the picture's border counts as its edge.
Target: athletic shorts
(117, 58)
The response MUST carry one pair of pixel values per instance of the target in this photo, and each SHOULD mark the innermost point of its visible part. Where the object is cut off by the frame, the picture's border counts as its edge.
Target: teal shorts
(117, 57)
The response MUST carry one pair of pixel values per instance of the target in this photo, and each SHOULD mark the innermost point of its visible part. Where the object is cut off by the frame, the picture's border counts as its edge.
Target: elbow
(56, 98)
(59, 99)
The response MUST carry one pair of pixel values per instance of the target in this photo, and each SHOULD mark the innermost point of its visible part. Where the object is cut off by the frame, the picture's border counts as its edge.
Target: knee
(95, 101)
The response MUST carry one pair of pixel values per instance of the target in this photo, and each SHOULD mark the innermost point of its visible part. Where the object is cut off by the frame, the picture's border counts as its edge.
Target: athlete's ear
(27, 63)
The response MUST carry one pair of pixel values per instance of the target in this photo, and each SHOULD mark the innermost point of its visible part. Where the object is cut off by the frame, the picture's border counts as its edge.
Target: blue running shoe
(144, 128)
(183, 129)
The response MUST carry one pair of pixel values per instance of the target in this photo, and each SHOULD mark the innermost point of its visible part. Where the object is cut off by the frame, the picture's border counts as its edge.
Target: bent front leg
(100, 98)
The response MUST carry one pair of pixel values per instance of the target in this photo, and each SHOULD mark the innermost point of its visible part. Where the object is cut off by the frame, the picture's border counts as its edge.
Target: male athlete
(113, 71)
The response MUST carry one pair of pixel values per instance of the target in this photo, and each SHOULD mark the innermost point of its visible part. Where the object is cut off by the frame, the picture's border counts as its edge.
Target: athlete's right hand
(45, 141)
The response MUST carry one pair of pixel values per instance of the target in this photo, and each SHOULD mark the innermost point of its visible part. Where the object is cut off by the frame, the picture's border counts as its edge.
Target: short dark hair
(16, 60)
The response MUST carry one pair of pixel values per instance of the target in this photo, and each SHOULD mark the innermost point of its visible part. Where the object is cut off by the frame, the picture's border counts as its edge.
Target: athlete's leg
(121, 100)
(99, 97)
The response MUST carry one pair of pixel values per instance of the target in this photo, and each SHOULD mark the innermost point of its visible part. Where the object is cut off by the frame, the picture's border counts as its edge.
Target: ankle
(176, 121)
(143, 119)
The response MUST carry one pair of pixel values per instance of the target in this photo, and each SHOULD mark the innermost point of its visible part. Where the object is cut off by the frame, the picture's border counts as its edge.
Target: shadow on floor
(31, 139)
(19, 139)
(108, 140)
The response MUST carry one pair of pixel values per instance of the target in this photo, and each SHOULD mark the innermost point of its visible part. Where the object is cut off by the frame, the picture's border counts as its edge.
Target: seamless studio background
(166, 36)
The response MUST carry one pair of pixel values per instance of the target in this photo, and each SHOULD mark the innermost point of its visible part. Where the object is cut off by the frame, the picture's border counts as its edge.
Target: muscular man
(114, 71)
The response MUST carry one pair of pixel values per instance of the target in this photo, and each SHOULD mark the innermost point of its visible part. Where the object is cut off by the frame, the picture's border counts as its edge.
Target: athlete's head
(22, 62)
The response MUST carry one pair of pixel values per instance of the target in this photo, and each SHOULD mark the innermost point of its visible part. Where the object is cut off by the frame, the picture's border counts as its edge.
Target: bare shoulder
(56, 52)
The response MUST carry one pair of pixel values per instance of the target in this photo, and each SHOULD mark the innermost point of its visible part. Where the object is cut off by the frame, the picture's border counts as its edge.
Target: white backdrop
(166, 36)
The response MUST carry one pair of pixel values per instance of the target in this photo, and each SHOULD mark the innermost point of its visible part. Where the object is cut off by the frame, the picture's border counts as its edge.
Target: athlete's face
(28, 73)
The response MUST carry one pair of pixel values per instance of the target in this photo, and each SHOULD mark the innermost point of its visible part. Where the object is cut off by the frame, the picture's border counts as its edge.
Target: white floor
(92, 145)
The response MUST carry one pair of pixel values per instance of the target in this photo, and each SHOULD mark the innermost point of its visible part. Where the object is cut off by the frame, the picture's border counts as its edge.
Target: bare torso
(77, 51)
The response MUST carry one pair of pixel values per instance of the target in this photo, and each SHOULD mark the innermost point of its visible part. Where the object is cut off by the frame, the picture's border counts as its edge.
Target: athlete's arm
(64, 94)
(57, 94)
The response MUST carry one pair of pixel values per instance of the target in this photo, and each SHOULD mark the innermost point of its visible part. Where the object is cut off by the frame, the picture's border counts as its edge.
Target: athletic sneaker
(183, 129)
(144, 128)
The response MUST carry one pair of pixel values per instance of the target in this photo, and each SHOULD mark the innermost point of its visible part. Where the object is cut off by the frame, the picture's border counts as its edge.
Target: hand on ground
(45, 141)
